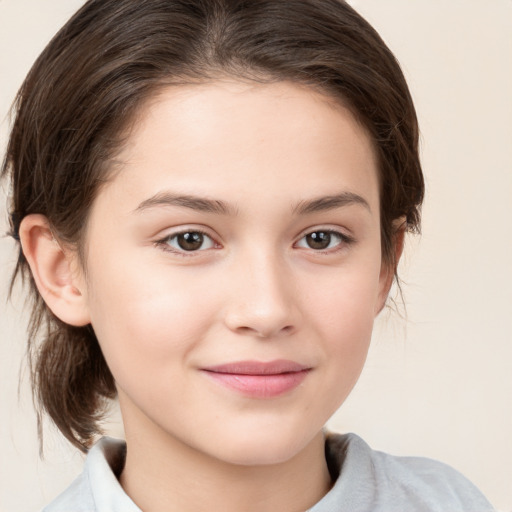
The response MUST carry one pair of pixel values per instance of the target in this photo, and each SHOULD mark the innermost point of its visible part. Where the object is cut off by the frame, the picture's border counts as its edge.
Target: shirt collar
(103, 466)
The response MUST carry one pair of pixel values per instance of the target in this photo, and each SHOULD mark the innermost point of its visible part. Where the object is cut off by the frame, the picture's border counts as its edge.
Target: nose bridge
(263, 303)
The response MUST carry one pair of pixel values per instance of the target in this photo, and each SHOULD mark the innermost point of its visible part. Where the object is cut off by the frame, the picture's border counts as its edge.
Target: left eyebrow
(201, 204)
(326, 203)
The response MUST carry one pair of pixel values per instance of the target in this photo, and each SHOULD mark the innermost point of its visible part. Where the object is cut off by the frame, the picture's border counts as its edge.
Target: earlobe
(54, 271)
(388, 269)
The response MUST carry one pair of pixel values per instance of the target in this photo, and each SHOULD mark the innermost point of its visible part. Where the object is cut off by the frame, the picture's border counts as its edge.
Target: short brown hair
(85, 88)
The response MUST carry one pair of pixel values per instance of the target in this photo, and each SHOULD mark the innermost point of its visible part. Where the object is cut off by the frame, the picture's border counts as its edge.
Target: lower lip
(260, 386)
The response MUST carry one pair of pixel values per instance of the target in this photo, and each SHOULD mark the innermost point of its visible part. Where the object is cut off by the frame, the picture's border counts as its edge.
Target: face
(234, 267)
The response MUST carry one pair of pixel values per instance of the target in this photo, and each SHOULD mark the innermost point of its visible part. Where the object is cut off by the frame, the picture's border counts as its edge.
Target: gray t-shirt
(364, 481)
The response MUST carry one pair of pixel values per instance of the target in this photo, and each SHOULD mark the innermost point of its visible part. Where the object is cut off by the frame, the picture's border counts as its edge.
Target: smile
(257, 379)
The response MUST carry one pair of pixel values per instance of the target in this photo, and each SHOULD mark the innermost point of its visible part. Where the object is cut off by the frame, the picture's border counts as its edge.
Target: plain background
(438, 384)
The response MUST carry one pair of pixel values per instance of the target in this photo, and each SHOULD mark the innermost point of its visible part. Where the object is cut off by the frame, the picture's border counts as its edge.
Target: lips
(259, 379)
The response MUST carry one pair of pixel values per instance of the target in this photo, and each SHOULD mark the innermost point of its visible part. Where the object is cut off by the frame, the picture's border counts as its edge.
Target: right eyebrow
(325, 203)
(202, 204)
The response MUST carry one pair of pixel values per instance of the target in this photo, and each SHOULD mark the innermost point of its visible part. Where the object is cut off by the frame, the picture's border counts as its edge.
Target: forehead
(245, 141)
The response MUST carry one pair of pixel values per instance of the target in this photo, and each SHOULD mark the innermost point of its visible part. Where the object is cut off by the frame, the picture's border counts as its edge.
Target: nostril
(265, 333)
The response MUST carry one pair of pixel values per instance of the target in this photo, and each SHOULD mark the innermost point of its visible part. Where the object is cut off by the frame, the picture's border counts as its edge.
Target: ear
(55, 271)
(388, 269)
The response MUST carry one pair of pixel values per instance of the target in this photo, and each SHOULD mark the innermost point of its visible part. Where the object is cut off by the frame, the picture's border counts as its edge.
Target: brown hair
(85, 88)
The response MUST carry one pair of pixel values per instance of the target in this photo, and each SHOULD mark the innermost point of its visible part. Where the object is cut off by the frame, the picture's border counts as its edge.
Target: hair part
(75, 108)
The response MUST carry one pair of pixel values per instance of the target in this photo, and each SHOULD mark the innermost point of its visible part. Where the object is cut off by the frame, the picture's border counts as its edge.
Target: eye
(187, 241)
(322, 240)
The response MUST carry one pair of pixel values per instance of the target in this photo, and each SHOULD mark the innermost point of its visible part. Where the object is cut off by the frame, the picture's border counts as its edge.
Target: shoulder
(97, 488)
(369, 480)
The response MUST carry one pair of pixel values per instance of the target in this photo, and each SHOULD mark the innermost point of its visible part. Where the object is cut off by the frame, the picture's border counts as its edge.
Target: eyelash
(344, 241)
(163, 243)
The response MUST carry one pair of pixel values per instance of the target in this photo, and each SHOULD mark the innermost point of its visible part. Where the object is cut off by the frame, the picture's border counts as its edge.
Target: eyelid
(345, 239)
(162, 241)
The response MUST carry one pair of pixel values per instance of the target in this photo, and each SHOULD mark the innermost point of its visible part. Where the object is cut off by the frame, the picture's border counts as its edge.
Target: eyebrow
(216, 206)
(201, 204)
(332, 202)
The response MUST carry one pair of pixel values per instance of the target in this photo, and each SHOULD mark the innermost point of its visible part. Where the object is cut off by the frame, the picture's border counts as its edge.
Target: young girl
(211, 199)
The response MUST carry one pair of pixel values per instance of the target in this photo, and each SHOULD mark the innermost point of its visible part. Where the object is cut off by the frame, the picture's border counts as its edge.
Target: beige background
(438, 384)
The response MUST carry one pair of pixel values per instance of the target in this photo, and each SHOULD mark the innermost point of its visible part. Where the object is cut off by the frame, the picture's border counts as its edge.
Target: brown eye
(318, 240)
(189, 241)
(321, 240)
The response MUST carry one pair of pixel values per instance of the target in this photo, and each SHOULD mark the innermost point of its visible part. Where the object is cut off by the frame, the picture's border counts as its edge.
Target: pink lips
(257, 379)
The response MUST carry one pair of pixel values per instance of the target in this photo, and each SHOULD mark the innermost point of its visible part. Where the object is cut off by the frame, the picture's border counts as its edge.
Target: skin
(255, 290)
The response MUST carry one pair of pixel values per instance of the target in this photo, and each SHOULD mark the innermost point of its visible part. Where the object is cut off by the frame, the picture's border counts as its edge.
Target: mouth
(259, 379)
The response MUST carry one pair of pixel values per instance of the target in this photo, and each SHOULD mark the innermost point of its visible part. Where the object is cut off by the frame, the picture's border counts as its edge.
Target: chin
(263, 450)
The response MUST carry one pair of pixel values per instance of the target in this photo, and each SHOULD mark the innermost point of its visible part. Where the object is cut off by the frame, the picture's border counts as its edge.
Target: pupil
(319, 240)
(190, 241)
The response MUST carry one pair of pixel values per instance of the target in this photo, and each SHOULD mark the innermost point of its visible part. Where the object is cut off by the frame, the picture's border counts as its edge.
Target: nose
(264, 300)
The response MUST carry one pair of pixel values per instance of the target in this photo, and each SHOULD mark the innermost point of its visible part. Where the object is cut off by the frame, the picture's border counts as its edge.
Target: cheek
(148, 319)
(344, 300)
(343, 315)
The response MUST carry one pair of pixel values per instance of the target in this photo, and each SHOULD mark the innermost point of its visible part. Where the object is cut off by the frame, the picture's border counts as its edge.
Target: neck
(162, 474)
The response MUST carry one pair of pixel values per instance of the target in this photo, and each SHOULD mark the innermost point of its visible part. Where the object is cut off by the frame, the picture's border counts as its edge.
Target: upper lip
(258, 367)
